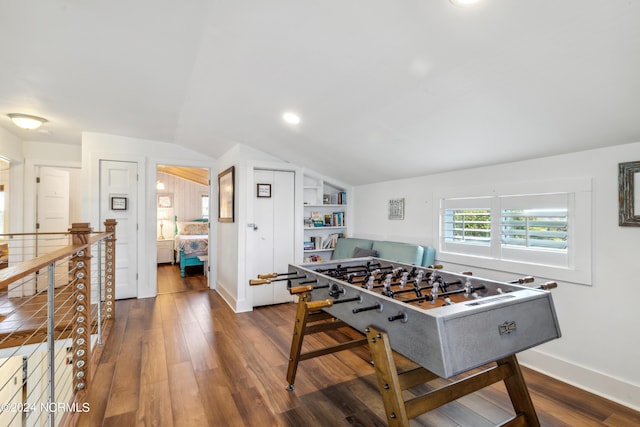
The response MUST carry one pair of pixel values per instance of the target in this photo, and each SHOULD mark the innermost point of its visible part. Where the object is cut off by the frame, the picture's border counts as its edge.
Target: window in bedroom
(205, 206)
(2, 209)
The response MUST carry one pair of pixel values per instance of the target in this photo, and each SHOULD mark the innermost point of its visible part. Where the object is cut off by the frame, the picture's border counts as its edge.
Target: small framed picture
(118, 203)
(396, 209)
(264, 190)
(165, 200)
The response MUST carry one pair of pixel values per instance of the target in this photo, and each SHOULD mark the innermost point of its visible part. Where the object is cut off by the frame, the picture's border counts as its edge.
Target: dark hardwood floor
(185, 359)
(169, 280)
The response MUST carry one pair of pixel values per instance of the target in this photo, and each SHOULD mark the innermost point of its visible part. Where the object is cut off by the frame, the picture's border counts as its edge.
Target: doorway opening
(182, 245)
(4, 209)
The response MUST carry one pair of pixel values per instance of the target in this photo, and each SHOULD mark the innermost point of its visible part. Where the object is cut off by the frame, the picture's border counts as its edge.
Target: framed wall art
(118, 203)
(264, 190)
(226, 195)
(629, 194)
(396, 208)
(165, 200)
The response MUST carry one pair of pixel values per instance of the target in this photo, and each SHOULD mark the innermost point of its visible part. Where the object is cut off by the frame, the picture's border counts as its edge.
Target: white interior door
(52, 213)
(11, 391)
(52, 210)
(271, 238)
(119, 179)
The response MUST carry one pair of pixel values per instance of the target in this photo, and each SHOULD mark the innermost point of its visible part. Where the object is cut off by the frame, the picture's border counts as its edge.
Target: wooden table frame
(311, 319)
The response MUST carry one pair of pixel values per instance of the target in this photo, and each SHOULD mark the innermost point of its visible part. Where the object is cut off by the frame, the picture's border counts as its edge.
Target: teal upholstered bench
(408, 253)
(346, 246)
(400, 252)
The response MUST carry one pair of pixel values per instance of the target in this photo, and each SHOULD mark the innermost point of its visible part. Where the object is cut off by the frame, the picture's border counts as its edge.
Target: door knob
(255, 227)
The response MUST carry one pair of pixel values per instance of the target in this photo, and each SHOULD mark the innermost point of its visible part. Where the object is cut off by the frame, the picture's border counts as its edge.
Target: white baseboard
(238, 306)
(598, 383)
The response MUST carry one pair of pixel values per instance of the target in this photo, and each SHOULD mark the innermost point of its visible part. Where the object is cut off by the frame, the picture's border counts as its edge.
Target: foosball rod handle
(272, 275)
(317, 305)
(548, 286)
(300, 289)
(253, 282)
(520, 281)
(267, 275)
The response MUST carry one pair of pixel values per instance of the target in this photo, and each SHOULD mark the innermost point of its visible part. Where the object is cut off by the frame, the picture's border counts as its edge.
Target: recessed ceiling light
(291, 118)
(26, 121)
(464, 2)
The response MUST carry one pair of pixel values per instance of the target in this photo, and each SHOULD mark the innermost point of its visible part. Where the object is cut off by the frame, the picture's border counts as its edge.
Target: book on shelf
(317, 242)
(309, 245)
(335, 219)
(339, 198)
(342, 198)
(331, 240)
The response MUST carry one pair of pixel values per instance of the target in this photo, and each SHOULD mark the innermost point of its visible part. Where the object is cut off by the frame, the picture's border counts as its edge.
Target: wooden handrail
(81, 317)
(39, 233)
(23, 269)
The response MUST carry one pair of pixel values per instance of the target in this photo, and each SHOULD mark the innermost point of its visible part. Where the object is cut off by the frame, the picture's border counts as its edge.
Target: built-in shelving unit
(325, 217)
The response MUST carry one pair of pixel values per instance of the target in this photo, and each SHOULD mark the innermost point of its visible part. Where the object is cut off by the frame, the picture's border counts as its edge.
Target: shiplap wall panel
(187, 199)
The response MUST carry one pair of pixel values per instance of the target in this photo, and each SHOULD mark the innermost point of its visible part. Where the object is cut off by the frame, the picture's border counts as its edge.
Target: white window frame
(205, 206)
(574, 265)
(551, 257)
(466, 203)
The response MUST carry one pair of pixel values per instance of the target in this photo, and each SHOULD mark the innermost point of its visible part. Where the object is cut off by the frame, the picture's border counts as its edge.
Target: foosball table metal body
(445, 339)
(462, 323)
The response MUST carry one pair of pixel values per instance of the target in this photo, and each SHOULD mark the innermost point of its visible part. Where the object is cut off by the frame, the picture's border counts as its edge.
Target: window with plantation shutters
(547, 233)
(534, 228)
(468, 226)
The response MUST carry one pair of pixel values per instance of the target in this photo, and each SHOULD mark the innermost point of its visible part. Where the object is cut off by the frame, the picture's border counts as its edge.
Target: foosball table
(447, 323)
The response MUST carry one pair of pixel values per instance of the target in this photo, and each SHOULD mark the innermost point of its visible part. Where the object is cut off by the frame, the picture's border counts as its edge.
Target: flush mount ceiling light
(26, 121)
(464, 3)
(291, 118)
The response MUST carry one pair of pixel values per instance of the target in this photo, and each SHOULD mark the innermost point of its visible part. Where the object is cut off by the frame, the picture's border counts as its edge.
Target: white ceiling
(386, 89)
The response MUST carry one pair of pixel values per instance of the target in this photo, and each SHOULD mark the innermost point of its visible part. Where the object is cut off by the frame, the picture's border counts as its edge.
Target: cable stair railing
(57, 302)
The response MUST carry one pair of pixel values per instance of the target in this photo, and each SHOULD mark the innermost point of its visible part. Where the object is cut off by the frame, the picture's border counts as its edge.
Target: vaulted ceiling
(197, 175)
(385, 89)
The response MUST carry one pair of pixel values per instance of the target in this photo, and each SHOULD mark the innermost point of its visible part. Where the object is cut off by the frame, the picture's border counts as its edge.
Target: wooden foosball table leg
(518, 392)
(311, 319)
(388, 380)
(399, 412)
(299, 327)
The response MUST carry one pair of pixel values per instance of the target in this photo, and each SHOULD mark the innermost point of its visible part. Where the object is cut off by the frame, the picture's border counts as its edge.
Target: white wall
(233, 283)
(11, 149)
(10, 146)
(600, 345)
(148, 154)
(228, 237)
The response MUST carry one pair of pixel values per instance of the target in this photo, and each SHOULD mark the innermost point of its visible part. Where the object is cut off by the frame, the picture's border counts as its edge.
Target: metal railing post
(99, 304)
(51, 343)
(82, 303)
(110, 268)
